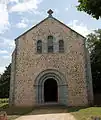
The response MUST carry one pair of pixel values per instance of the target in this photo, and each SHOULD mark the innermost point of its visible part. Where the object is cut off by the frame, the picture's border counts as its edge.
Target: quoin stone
(50, 64)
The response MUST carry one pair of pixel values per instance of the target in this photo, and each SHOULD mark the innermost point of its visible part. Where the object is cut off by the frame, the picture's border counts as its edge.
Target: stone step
(51, 105)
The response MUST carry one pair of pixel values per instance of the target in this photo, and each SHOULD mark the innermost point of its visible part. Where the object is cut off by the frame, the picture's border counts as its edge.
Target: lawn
(85, 113)
(13, 112)
(80, 113)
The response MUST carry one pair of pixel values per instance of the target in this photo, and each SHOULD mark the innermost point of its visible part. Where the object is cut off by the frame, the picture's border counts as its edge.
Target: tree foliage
(91, 7)
(94, 45)
(5, 83)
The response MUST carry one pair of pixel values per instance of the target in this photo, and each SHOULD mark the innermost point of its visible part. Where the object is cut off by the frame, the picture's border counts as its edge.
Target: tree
(91, 7)
(94, 45)
(93, 39)
(5, 83)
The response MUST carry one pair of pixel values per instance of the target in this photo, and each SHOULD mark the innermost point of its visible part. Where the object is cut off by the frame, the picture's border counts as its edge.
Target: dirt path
(56, 116)
(48, 114)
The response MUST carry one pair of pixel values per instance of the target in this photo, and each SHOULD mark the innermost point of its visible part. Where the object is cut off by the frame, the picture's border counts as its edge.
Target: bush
(4, 100)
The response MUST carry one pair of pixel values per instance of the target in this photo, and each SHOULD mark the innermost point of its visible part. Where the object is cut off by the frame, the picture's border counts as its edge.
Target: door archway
(50, 90)
(58, 80)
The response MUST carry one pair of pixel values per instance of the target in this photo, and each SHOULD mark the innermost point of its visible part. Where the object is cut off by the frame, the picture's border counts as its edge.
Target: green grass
(80, 113)
(85, 113)
(3, 103)
(4, 100)
(13, 112)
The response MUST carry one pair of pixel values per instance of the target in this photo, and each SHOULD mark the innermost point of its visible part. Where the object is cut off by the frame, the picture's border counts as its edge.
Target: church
(50, 65)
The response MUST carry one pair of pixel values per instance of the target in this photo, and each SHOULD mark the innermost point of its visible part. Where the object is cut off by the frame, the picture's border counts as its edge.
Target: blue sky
(17, 16)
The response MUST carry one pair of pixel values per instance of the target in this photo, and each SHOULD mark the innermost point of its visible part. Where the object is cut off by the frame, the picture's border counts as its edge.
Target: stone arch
(61, 82)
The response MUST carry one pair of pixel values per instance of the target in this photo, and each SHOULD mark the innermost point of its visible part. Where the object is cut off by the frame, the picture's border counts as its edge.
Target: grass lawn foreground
(13, 112)
(85, 113)
(80, 113)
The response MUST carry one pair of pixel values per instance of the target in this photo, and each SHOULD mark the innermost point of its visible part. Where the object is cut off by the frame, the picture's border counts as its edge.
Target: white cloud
(22, 23)
(5, 57)
(18, 6)
(4, 61)
(16, 1)
(2, 69)
(4, 42)
(66, 9)
(25, 6)
(3, 51)
(4, 18)
(56, 11)
(79, 27)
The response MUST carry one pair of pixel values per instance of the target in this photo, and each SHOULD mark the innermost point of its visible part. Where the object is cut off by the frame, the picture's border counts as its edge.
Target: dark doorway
(50, 90)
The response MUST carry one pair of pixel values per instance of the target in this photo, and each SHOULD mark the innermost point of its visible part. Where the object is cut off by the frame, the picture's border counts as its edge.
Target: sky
(17, 16)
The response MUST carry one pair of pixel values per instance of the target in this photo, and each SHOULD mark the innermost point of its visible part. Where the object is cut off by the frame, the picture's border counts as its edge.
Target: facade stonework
(70, 69)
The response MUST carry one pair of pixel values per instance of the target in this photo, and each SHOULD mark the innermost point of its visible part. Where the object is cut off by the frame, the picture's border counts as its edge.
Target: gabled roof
(68, 27)
(50, 16)
(31, 28)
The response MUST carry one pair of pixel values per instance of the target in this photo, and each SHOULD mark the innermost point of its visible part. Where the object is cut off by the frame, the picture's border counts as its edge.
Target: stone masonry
(71, 69)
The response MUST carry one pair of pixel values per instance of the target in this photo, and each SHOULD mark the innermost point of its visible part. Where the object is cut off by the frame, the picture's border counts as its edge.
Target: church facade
(50, 64)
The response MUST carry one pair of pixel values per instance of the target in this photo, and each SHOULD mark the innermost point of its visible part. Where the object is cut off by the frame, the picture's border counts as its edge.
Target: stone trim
(14, 84)
(50, 71)
(88, 76)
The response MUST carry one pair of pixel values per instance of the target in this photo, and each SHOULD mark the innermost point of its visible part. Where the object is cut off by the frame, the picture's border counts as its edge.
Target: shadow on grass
(55, 109)
(16, 110)
(51, 109)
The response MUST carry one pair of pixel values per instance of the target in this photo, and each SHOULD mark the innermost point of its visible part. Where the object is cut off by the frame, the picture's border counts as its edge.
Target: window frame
(39, 46)
(61, 46)
(50, 44)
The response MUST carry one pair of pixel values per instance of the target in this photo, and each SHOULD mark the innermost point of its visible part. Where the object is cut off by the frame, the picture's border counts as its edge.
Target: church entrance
(50, 87)
(50, 90)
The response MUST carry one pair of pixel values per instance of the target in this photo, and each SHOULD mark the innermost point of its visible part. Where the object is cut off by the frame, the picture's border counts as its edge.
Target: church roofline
(69, 27)
(46, 19)
(31, 28)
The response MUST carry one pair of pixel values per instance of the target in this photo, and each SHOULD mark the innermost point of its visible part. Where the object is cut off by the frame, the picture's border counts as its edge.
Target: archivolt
(50, 73)
(61, 82)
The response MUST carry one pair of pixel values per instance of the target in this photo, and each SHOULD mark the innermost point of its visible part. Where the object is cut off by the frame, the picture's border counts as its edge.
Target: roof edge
(69, 27)
(31, 28)
(43, 21)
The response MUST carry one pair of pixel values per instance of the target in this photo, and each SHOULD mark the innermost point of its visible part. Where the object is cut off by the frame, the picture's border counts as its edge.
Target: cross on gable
(50, 12)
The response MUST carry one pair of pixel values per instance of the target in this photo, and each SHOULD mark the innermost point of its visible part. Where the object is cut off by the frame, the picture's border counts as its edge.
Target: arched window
(61, 46)
(39, 46)
(50, 44)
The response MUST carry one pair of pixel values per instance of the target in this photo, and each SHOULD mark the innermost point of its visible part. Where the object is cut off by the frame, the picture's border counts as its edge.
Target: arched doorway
(50, 90)
(52, 80)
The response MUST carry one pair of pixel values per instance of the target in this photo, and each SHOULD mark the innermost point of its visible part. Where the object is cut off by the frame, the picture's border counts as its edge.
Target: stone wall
(71, 63)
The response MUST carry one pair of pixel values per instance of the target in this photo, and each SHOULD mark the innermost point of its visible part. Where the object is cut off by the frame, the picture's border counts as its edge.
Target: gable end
(46, 19)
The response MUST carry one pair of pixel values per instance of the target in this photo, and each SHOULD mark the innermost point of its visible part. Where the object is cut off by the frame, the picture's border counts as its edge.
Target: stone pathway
(48, 114)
